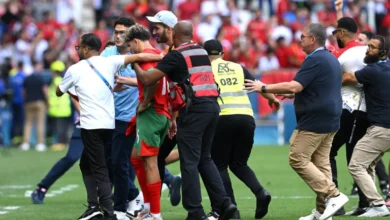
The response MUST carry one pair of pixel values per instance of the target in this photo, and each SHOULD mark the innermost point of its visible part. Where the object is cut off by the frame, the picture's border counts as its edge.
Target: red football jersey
(160, 102)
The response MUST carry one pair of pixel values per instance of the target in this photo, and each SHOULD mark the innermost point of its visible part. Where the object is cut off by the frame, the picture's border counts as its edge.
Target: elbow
(294, 89)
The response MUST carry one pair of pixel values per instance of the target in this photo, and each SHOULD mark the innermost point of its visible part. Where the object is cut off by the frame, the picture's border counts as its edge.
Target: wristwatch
(264, 89)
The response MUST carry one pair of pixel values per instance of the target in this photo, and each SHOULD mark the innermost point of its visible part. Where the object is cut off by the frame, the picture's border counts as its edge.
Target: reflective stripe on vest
(230, 78)
(201, 76)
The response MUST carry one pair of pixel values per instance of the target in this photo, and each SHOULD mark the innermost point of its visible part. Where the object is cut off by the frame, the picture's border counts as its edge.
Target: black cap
(213, 47)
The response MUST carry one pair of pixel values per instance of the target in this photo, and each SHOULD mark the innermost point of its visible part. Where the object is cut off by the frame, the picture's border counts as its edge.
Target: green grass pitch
(292, 198)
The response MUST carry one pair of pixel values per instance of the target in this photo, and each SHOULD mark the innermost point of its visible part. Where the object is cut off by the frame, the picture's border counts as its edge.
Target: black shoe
(340, 212)
(262, 204)
(198, 216)
(91, 213)
(384, 188)
(354, 191)
(236, 215)
(357, 211)
(174, 191)
(110, 217)
(227, 211)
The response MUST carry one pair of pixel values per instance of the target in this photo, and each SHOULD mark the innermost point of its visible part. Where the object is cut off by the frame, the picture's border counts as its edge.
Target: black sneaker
(384, 188)
(358, 211)
(213, 215)
(38, 195)
(236, 215)
(340, 212)
(354, 191)
(110, 218)
(262, 204)
(227, 211)
(174, 191)
(91, 213)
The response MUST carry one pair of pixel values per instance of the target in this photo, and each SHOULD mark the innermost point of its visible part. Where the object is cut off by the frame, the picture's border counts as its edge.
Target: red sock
(139, 168)
(155, 194)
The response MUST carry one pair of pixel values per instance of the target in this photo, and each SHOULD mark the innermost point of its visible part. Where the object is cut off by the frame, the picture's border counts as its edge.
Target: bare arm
(59, 93)
(349, 78)
(130, 81)
(46, 92)
(76, 105)
(148, 77)
(150, 91)
(142, 57)
(279, 88)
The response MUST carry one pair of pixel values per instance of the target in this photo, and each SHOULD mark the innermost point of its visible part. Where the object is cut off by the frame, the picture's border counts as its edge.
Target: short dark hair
(348, 24)
(92, 41)
(138, 31)
(127, 22)
(368, 34)
(318, 31)
(109, 43)
(384, 45)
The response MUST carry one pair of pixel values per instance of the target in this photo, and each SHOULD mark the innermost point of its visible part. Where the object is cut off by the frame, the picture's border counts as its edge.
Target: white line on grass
(15, 186)
(8, 208)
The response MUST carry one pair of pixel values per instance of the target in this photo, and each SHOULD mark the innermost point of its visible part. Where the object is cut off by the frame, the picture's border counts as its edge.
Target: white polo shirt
(351, 59)
(97, 110)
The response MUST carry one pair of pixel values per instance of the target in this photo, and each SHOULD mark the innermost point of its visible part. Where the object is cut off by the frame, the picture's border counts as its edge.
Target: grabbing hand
(288, 96)
(253, 86)
(274, 103)
(142, 107)
(172, 129)
(119, 87)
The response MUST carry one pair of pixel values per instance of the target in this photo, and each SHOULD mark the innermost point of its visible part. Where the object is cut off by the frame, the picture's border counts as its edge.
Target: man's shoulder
(109, 51)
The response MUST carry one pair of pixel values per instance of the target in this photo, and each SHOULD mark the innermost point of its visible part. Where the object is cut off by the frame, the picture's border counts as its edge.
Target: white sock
(147, 206)
(157, 215)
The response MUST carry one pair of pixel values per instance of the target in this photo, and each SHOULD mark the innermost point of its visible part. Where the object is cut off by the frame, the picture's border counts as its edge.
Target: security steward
(195, 95)
(236, 126)
(375, 78)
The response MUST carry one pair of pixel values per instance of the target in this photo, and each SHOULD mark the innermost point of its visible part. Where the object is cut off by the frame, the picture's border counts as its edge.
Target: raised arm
(339, 8)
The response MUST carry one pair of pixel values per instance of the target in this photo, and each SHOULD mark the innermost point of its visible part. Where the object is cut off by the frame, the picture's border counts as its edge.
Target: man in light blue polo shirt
(122, 174)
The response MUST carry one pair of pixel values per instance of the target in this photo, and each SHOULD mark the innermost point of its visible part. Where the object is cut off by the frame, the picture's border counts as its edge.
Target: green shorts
(151, 131)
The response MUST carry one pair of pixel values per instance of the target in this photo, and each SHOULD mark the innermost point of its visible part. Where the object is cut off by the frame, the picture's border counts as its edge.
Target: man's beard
(81, 56)
(340, 43)
(371, 58)
(162, 38)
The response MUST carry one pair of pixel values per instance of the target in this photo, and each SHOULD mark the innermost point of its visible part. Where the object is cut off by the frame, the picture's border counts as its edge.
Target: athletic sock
(155, 193)
(139, 168)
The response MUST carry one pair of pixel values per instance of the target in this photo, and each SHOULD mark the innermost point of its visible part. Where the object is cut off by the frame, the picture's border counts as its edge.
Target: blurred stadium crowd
(37, 39)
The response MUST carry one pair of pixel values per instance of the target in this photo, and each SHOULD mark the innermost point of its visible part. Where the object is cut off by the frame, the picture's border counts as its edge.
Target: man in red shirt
(153, 119)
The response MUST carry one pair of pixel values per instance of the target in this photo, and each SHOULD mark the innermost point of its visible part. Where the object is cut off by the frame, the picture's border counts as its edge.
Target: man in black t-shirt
(196, 125)
(375, 78)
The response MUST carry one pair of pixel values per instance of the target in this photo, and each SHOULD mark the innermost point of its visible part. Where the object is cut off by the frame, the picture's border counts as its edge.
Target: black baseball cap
(213, 47)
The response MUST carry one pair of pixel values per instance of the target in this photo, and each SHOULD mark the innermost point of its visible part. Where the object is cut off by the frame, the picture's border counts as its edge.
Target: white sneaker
(25, 147)
(40, 147)
(315, 215)
(333, 205)
(373, 211)
(149, 216)
(121, 215)
(145, 213)
(135, 206)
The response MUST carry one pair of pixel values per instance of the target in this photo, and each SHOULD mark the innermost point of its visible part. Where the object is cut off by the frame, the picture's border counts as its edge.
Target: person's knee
(235, 166)
(296, 161)
(354, 167)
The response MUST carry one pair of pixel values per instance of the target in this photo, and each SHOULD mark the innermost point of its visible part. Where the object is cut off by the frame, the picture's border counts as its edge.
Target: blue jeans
(64, 164)
(123, 174)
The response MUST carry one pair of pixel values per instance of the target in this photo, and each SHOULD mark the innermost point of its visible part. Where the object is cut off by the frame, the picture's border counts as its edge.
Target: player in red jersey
(152, 124)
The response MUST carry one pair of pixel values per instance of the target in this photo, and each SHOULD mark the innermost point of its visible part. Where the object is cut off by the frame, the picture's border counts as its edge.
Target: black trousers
(342, 137)
(231, 148)
(164, 151)
(94, 170)
(194, 137)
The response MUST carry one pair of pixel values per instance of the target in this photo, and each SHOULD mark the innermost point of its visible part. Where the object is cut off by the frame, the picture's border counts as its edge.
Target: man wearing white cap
(163, 23)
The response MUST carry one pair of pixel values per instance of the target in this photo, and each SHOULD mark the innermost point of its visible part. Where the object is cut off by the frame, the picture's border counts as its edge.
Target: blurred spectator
(365, 36)
(231, 32)
(35, 99)
(282, 52)
(296, 54)
(258, 27)
(208, 29)
(268, 62)
(48, 25)
(187, 9)
(16, 84)
(102, 32)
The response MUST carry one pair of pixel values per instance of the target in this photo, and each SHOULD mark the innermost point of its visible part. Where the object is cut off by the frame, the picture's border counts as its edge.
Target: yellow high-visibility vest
(59, 107)
(230, 78)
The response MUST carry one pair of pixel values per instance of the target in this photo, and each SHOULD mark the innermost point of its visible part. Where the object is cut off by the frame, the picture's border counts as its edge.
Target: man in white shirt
(93, 78)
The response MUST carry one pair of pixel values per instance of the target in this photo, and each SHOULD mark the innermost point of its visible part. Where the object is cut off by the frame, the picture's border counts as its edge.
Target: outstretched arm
(142, 57)
(148, 77)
